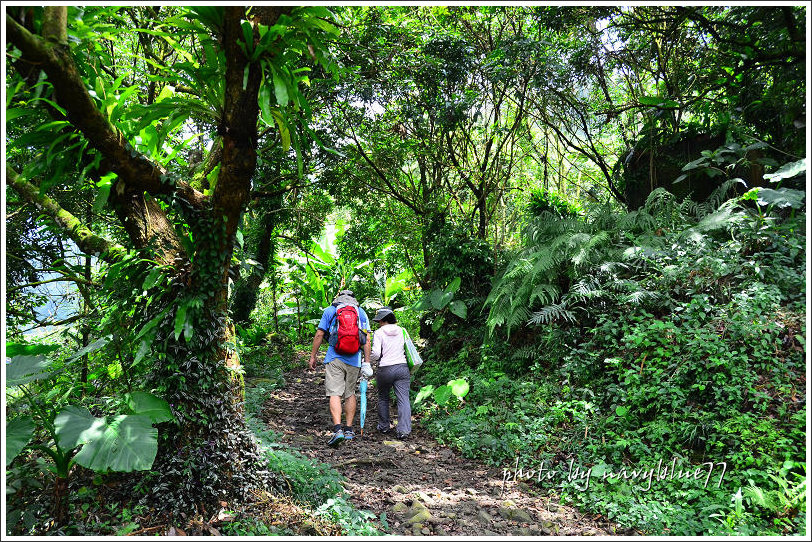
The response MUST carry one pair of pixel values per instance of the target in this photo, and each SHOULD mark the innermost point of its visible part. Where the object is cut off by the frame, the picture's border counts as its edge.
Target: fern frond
(526, 352)
(550, 313)
(759, 497)
(516, 317)
(722, 192)
(640, 296)
(545, 293)
(660, 200)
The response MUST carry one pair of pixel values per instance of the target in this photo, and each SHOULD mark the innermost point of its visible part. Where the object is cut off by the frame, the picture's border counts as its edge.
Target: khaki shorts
(340, 378)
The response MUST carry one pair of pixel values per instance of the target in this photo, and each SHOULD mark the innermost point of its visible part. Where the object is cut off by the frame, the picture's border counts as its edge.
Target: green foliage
(353, 522)
(708, 370)
(542, 200)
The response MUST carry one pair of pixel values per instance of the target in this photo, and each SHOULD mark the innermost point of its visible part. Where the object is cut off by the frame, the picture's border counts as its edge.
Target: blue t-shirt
(326, 320)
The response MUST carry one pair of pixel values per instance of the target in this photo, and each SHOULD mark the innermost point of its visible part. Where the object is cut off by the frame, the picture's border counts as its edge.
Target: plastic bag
(413, 359)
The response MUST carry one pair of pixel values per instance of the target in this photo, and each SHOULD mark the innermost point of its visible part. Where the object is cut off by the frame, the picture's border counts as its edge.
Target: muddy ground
(423, 487)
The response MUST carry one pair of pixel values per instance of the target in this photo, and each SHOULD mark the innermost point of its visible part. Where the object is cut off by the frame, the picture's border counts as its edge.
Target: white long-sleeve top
(388, 345)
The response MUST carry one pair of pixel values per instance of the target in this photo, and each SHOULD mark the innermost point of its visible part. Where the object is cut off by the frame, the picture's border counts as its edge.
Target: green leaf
(76, 425)
(280, 89)
(782, 197)
(284, 131)
(188, 329)
(657, 102)
(18, 349)
(438, 323)
(459, 308)
(180, 320)
(621, 411)
(16, 112)
(787, 171)
(454, 286)
(124, 444)
(699, 162)
(439, 299)
(143, 347)
(18, 432)
(424, 392)
(423, 304)
(442, 395)
(157, 409)
(92, 347)
(248, 34)
(152, 279)
(24, 369)
(459, 387)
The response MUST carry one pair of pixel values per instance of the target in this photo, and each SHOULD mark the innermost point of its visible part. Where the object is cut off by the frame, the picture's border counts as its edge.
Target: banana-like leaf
(18, 433)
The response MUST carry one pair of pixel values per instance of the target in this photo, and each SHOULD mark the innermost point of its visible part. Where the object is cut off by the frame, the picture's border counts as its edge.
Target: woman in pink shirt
(388, 350)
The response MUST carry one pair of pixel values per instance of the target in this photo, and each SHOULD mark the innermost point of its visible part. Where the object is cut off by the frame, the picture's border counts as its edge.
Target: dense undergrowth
(644, 346)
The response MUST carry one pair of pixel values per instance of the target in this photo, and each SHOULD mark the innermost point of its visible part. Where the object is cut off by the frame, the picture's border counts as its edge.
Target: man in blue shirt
(341, 371)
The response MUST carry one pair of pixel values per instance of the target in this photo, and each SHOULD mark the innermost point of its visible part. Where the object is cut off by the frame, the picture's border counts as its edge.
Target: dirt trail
(424, 488)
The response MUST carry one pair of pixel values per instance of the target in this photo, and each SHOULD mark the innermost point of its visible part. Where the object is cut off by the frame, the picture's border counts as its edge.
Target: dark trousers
(398, 377)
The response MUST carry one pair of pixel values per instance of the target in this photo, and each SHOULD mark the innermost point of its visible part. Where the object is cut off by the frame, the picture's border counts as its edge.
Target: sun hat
(345, 297)
(382, 313)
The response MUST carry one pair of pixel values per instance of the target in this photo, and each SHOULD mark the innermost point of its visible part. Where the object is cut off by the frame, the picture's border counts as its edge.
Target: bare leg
(335, 409)
(349, 409)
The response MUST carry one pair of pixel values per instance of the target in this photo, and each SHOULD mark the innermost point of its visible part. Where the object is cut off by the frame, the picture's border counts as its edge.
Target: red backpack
(345, 332)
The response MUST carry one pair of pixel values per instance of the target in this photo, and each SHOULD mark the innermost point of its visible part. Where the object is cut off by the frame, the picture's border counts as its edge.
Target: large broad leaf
(424, 304)
(23, 369)
(18, 433)
(75, 426)
(154, 407)
(18, 349)
(657, 101)
(124, 444)
(459, 387)
(92, 347)
(455, 285)
(442, 394)
(439, 299)
(787, 171)
(424, 392)
(783, 197)
(459, 308)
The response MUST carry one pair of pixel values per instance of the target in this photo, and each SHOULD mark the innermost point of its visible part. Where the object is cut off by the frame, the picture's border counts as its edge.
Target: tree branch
(87, 241)
(132, 167)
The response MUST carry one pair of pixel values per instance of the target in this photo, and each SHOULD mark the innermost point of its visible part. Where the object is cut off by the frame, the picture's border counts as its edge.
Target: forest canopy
(592, 216)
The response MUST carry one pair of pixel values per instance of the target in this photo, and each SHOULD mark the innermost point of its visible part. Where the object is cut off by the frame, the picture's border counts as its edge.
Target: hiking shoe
(385, 431)
(349, 434)
(337, 437)
(401, 436)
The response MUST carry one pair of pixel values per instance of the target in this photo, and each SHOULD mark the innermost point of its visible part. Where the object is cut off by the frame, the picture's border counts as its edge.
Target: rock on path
(424, 488)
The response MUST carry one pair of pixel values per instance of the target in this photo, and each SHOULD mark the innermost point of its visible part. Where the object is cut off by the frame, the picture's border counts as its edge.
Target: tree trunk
(247, 291)
(208, 455)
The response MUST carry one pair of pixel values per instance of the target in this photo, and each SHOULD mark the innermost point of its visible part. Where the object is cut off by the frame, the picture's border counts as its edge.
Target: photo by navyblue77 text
(645, 475)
